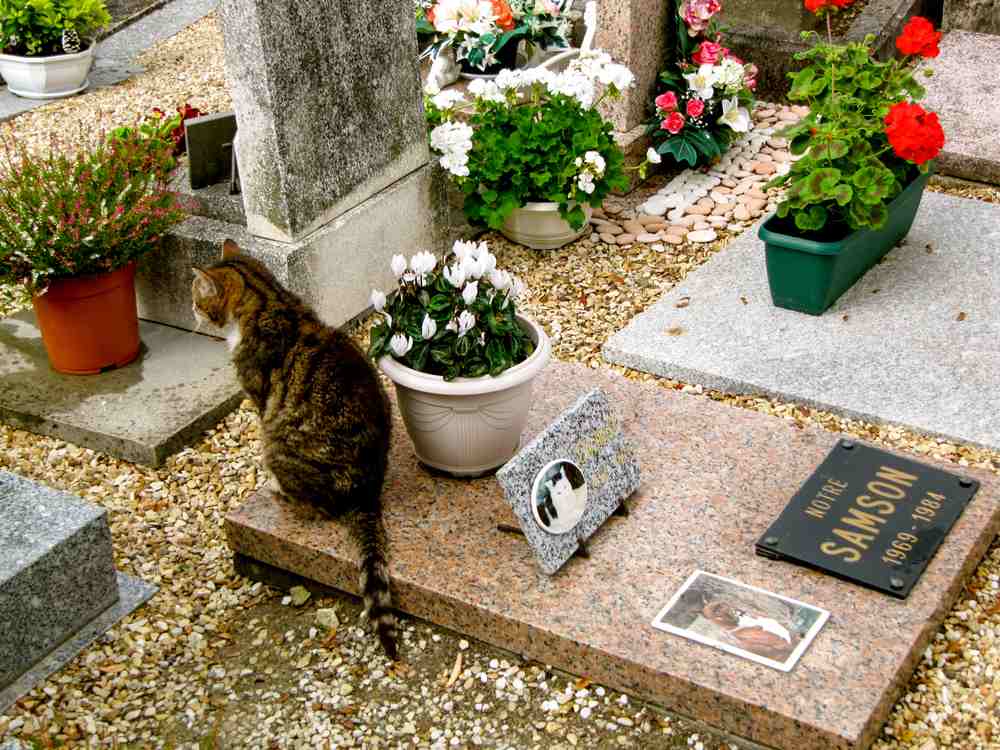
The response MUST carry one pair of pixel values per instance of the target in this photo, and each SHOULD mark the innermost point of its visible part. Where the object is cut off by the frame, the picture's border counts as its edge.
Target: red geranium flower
(815, 6)
(695, 107)
(914, 133)
(667, 102)
(919, 38)
(674, 123)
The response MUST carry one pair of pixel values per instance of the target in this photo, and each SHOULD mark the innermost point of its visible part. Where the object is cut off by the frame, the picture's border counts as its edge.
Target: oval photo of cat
(559, 496)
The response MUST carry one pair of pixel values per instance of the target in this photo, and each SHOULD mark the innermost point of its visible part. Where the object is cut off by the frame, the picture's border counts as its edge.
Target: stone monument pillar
(328, 106)
(332, 152)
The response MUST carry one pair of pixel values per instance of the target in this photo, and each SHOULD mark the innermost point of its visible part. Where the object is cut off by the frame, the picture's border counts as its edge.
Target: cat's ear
(207, 286)
(230, 250)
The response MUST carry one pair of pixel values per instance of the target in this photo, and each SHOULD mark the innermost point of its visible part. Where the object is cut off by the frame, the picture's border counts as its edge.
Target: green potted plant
(866, 154)
(71, 229)
(48, 45)
(531, 152)
(461, 357)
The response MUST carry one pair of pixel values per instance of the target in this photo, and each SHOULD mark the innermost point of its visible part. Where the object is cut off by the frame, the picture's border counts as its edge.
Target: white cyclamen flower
(652, 156)
(499, 279)
(429, 327)
(451, 325)
(702, 82)
(517, 288)
(423, 263)
(735, 116)
(464, 250)
(466, 322)
(398, 265)
(455, 274)
(377, 300)
(400, 344)
(470, 292)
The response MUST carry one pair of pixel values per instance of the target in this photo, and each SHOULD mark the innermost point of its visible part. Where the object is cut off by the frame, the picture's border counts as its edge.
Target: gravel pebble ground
(215, 660)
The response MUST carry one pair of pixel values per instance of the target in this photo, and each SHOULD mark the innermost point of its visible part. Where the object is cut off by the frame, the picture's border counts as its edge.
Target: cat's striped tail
(373, 580)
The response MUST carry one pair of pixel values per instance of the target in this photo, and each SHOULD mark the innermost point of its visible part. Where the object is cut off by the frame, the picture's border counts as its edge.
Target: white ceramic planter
(539, 226)
(469, 426)
(47, 77)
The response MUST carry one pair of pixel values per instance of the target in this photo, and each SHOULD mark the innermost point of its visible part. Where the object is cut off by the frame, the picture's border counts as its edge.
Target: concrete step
(965, 92)
(57, 576)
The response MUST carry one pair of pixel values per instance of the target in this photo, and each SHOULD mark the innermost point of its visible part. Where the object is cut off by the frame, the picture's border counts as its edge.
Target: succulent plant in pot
(48, 45)
(71, 231)
(865, 153)
(462, 358)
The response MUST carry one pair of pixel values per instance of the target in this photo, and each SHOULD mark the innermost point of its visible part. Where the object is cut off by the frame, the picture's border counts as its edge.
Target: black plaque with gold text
(870, 517)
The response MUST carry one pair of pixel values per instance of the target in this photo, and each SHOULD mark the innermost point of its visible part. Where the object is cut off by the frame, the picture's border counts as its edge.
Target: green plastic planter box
(809, 276)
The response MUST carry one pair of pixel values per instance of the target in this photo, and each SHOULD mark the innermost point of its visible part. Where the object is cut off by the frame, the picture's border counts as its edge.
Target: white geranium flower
(652, 156)
(429, 327)
(596, 161)
(377, 300)
(486, 90)
(398, 265)
(466, 322)
(447, 99)
(735, 116)
(702, 82)
(400, 344)
(509, 79)
(470, 292)
(585, 182)
(455, 274)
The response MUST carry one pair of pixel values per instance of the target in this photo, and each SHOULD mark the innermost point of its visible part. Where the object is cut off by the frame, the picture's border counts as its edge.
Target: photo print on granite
(564, 484)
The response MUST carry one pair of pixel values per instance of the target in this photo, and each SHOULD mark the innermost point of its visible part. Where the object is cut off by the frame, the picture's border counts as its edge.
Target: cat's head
(216, 289)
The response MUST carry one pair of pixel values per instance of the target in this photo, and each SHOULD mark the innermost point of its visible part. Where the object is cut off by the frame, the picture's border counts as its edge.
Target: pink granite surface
(634, 33)
(714, 477)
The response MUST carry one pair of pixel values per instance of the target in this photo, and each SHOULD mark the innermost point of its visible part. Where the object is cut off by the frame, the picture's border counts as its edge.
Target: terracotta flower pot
(89, 323)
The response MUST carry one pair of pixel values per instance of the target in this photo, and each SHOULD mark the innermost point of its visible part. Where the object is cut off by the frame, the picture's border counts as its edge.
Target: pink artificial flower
(674, 123)
(709, 53)
(666, 102)
(695, 107)
(697, 14)
(750, 72)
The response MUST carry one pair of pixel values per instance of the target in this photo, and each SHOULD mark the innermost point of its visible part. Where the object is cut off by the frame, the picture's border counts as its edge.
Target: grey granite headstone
(57, 577)
(328, 103)
(586, 438)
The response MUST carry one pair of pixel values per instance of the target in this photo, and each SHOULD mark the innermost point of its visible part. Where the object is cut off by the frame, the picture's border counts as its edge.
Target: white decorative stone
(702, 235)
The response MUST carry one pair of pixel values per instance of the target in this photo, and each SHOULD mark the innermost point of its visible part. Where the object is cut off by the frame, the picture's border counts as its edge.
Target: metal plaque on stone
(870, 517)
(210, 148)
(570, 479)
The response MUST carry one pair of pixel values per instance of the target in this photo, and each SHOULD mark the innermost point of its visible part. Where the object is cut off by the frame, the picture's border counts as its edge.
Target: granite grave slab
(714, 478)
(58, 586)
(916, 342)
(181, 384)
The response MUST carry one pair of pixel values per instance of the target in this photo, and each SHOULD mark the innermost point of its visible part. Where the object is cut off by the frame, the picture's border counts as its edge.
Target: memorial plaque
(567, 481)
(869, 516)
(210, 148)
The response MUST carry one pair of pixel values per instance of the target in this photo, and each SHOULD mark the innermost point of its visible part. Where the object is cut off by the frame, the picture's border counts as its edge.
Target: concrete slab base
(916, 342)
(964, 91)
(181, 384)
(714, 478)
(132, 594)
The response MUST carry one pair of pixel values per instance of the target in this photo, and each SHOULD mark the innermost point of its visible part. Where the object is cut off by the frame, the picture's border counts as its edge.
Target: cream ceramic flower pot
(469, 426)
(540, 227)
(49, 77)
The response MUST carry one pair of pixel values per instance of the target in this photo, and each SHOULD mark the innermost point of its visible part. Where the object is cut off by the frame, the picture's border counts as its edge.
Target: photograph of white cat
(559, 496)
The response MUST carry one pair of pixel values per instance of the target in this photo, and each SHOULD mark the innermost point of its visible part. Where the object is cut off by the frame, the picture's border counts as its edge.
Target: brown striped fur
(324, 415)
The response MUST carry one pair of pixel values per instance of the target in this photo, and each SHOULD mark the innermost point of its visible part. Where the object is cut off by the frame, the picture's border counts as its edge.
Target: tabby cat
(324, 415)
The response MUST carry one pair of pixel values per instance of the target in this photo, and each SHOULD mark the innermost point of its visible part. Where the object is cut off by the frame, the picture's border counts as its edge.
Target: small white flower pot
(540, 227)
(49, 77)
(469, 426)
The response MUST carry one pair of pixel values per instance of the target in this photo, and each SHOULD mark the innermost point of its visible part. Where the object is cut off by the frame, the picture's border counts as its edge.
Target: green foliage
(64, 216)
(848, 172)
(34, 27)
(496, 343)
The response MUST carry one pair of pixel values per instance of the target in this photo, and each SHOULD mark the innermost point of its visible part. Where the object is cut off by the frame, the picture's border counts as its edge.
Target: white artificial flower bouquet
(533, 135)
(454, 318)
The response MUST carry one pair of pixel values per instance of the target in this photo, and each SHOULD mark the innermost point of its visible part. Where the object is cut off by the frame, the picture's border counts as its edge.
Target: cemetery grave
(216, 659)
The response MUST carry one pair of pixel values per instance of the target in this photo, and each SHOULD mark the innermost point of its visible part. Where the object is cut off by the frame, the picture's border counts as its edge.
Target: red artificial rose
(695, 107)
(666, 102)
(505, 18)
(914, 133)
(674, 123)
(919, 38)
(709, 53)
